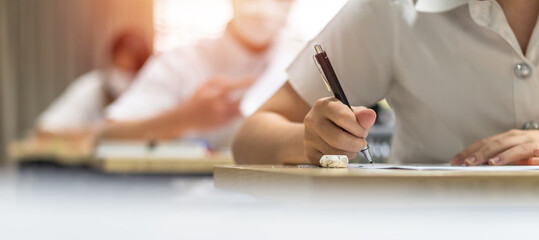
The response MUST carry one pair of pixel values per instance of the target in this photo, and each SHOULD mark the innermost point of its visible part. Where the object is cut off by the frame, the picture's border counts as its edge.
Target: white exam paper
(445, 167)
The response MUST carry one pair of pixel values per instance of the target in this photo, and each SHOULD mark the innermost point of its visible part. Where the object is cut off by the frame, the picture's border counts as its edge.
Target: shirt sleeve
(157, 88)
(358, 42)
(80, 106)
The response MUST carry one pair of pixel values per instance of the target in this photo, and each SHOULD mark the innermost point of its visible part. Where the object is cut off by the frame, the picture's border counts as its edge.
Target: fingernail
(454, 161)
(469, 160)
(494, 161)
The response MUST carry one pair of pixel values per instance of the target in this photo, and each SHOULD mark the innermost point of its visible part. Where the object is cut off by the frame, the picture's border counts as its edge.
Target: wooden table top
(318, 172)
(162, 165)
(22, 151)
(381, 187)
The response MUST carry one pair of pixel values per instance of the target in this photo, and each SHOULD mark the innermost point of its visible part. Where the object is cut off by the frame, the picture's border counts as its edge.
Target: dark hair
(134, 43)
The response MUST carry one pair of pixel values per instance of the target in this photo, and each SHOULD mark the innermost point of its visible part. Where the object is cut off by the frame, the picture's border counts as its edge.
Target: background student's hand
(514, 145)
(324, 134)
(214, 103)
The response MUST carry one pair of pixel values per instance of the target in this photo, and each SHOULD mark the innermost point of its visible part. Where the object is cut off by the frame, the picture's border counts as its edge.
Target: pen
(333, 85)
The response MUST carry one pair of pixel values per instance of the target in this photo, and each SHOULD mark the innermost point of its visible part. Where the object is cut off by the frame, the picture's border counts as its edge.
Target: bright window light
(180, 22)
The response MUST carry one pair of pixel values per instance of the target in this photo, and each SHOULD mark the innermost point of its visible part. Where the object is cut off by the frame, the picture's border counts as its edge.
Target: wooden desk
(24, 151)
(162, 165)
(29, 151)
(382, 187)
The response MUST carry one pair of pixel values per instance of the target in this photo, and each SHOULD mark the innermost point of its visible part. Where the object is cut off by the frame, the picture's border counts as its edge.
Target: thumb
(365, 117)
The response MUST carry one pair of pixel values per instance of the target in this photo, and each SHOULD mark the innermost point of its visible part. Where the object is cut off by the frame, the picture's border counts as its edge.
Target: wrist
(292, 149)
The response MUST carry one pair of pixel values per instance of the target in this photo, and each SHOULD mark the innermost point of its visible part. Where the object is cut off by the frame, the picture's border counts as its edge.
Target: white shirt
(80, 107)
(447, 68)
(170, 78)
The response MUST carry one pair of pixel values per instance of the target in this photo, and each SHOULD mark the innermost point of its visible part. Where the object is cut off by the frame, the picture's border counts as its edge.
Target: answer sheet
(445, 167)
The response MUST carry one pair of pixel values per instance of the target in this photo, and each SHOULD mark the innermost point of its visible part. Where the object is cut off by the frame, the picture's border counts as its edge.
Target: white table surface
(47, 202)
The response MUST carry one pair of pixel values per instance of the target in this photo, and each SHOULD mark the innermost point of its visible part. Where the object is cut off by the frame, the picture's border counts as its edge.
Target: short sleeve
(157, 88)
(358, 41)
(79, 107)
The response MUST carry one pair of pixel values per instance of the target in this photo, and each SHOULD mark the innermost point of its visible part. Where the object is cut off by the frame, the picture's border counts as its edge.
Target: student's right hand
(212, 105)
(332, 129)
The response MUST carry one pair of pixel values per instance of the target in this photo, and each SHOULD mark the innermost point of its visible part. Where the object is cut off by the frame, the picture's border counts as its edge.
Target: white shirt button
(522, 70)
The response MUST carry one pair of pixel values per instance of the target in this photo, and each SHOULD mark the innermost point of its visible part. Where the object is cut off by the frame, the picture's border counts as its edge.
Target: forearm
(269, 138)
(161, 127)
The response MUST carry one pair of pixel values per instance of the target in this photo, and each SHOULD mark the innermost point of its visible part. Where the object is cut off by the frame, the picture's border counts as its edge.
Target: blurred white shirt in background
(171, 77)
(79, 108)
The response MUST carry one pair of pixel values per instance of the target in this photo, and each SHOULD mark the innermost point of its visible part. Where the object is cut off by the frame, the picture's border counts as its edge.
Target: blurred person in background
(195, 91)
(79, 111)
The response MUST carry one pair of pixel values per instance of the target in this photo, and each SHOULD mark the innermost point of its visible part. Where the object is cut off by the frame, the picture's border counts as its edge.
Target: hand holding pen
(334, 128)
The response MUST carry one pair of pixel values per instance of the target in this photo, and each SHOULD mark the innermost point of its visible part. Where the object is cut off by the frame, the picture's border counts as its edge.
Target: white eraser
(334, 161)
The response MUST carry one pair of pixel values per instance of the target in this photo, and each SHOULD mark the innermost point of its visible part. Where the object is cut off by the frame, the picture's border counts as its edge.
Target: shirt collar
(436, 6)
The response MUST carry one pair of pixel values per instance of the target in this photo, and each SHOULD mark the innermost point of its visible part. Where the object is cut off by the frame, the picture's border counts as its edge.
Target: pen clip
(321, 73)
